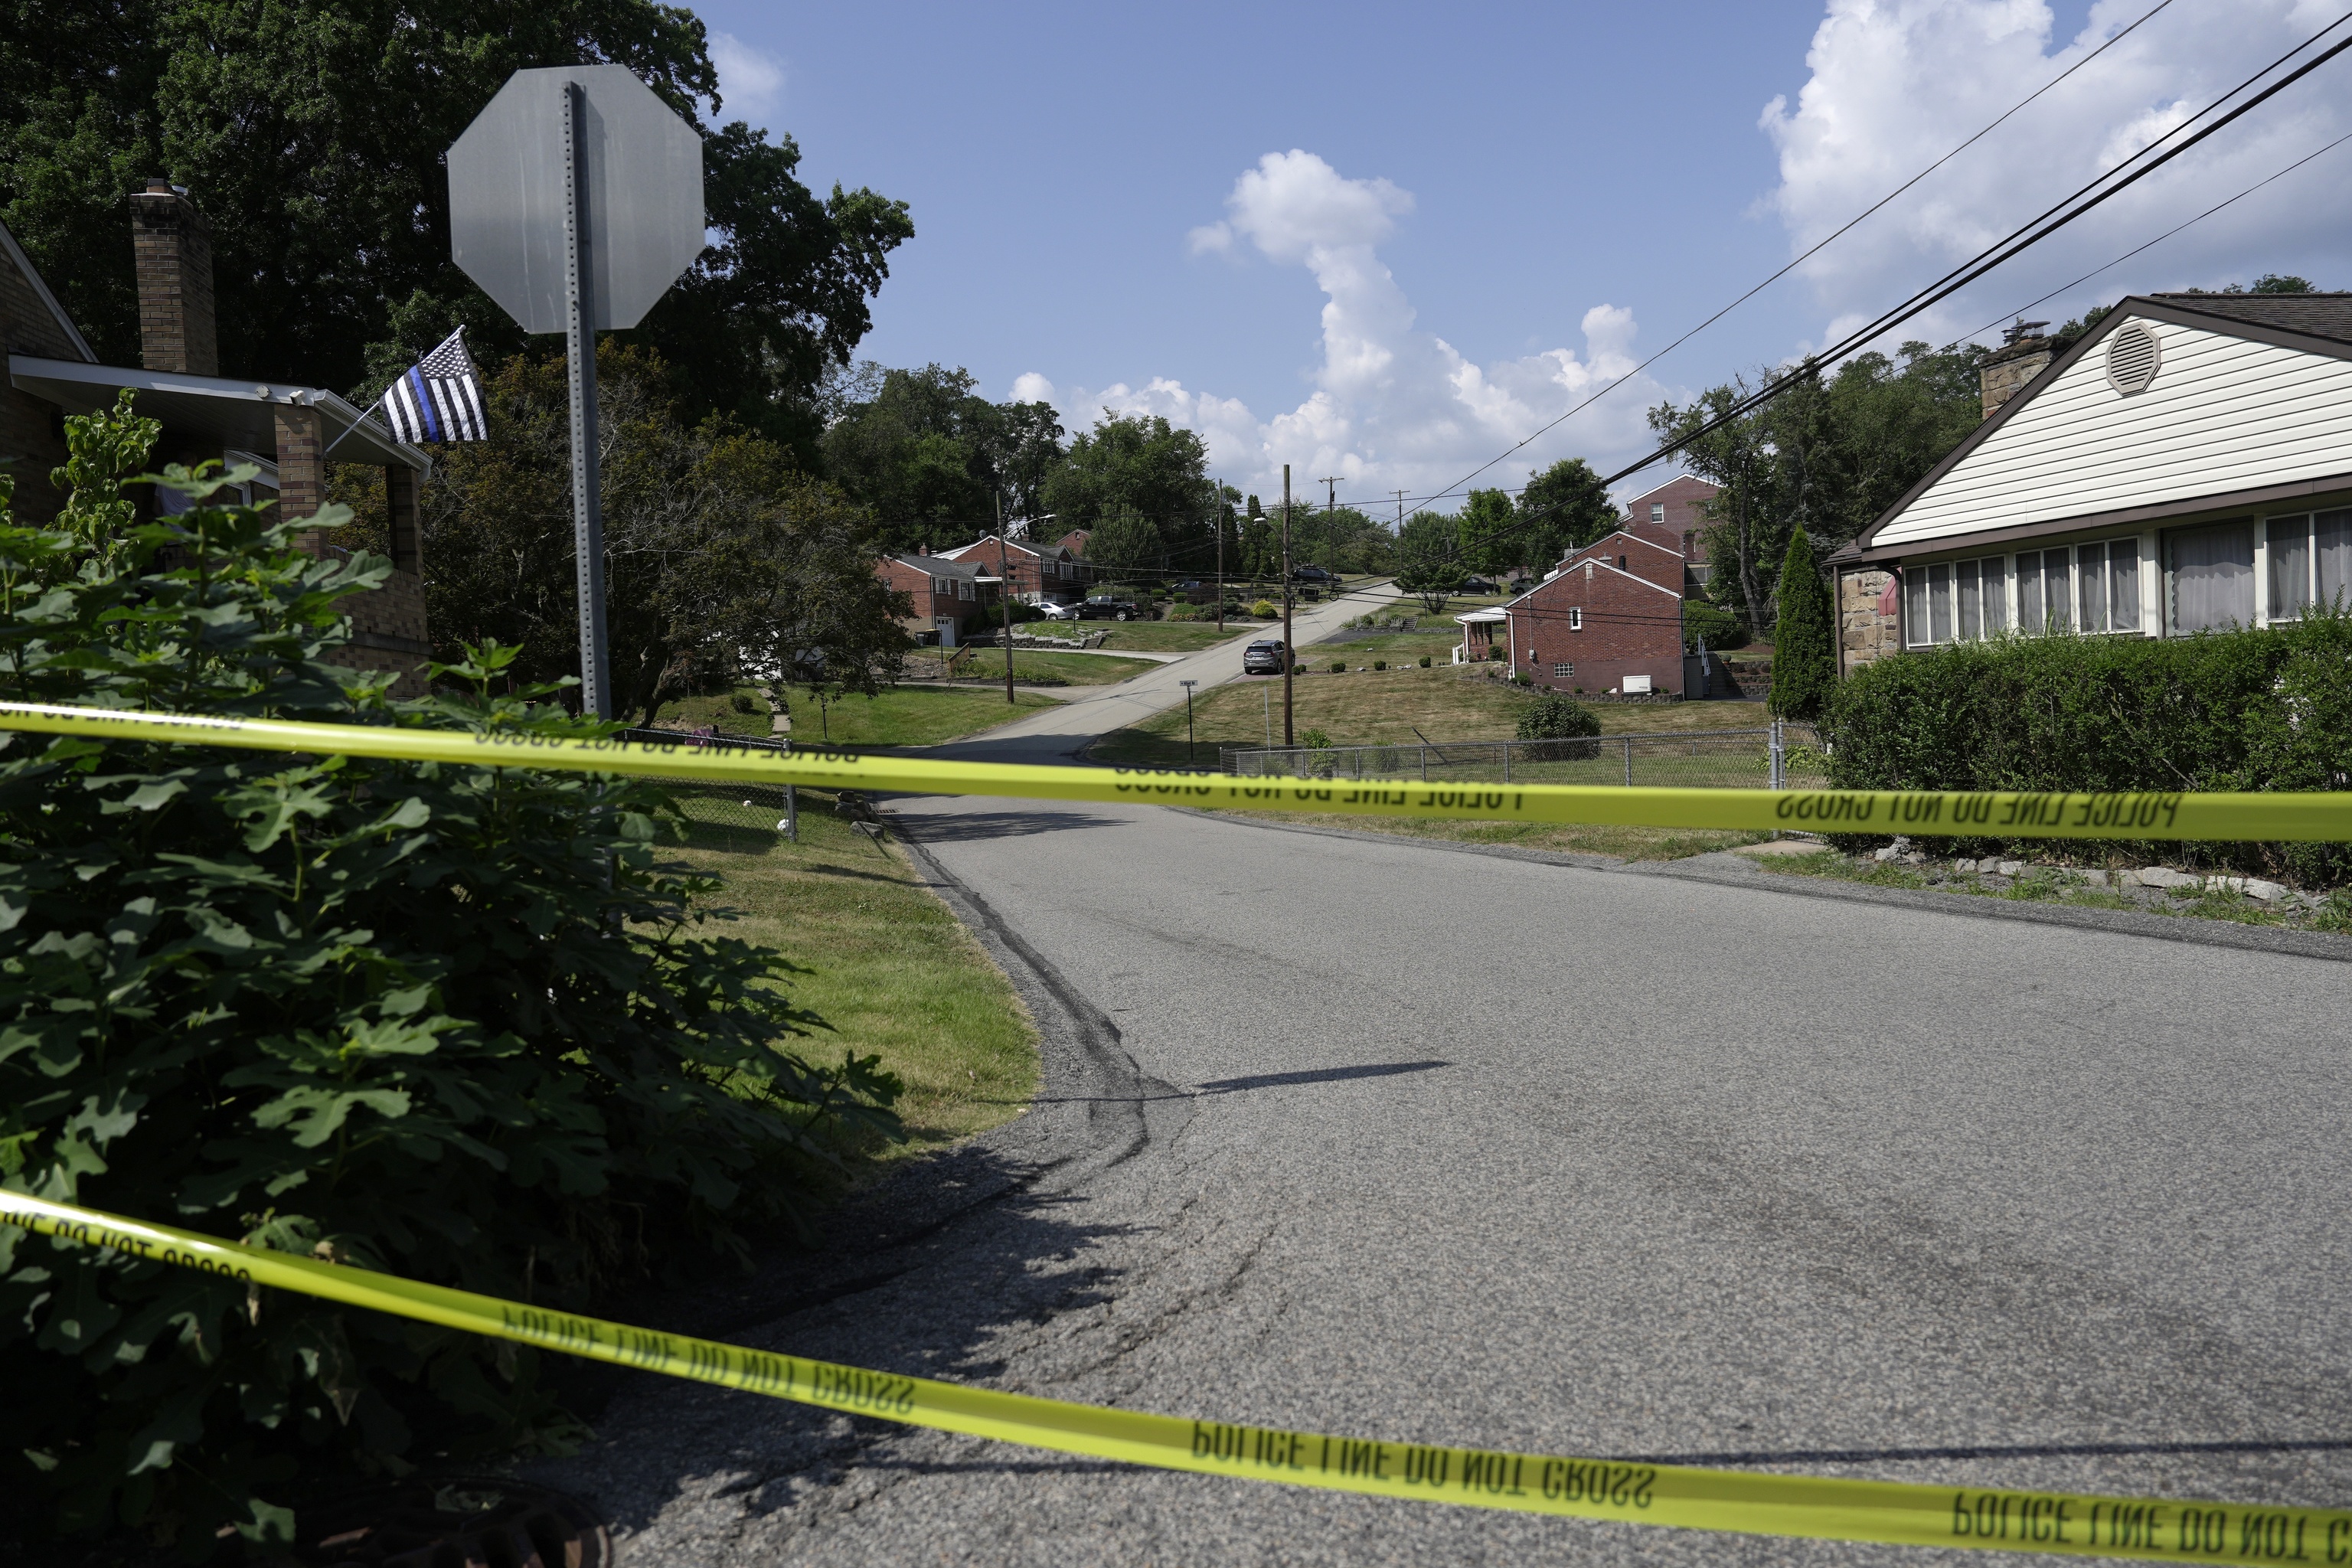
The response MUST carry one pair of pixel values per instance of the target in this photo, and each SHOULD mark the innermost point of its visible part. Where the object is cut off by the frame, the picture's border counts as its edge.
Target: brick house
(1036, 575)
(289, 432)
(951, 598)
(1609, 618)
(2185, 465)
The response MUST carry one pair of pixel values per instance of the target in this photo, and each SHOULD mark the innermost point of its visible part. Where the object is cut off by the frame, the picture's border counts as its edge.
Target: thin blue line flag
(439, 398)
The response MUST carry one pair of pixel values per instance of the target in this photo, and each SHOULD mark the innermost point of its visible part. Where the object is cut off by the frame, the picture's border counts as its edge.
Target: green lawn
(1166, 636)
(900, 716)
(1048, 668)
(888, 967)
(1383, 707)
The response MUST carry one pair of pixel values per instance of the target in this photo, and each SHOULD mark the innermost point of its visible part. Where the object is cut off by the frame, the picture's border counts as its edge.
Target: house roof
(1603, 565)
(937, 565)
(233, 413)
(2158, 476)
(1669, 484)
(24, 263)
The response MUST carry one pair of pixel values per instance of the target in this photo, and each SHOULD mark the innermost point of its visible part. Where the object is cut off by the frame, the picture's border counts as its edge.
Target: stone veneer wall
(1865, 635)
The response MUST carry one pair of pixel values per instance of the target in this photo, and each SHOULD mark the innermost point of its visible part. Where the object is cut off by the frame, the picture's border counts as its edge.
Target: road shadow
(965, 827)
(1989, 1451)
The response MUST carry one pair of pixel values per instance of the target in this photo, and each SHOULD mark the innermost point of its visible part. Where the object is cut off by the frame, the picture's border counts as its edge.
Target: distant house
(951, 598)
(2186, 465)
(1075, 541)
(1609, 618)
(1036, 575)
(288, 434)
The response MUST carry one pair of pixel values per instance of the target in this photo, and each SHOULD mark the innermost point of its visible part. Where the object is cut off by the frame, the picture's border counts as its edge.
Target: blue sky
(1385, 242)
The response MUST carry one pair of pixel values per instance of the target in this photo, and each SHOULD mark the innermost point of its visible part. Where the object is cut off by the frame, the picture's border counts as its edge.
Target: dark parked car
(1109, 609)
(1263, 658)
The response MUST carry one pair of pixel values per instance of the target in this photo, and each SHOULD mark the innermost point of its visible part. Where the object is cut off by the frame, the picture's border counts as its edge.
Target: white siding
(2224, 414)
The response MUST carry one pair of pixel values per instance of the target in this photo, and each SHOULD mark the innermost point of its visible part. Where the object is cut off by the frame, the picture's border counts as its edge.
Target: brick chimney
(172, 246)
(2023, 354)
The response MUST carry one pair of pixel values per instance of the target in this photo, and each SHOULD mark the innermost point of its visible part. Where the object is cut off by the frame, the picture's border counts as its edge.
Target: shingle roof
(2321, 315)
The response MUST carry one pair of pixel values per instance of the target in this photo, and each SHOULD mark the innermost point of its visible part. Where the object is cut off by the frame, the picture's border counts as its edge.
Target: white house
(2187, 464)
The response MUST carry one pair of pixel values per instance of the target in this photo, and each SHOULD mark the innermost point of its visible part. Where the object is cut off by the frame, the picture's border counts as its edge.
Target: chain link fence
(1784, 756)
(773, 808)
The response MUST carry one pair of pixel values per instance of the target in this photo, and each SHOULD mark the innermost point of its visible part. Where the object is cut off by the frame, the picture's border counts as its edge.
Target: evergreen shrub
(2251, 711)
(456, 1023)
(1562, 723)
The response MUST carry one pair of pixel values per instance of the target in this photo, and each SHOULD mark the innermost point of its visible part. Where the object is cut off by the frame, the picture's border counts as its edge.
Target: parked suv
(1263, 658)
(1109, 609)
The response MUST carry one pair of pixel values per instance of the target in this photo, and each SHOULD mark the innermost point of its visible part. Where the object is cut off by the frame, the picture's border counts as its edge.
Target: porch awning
(214, 410)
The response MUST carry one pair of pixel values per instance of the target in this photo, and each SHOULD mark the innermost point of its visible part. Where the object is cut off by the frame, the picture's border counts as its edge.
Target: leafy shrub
(742, 702)
(1315, 740)
(1564, 724)
(1264, 610)
(2252, 710)
(1339, 666)
(1718, 626)
(1804, 646)
(1425, 661)
(1494, 653)
(1524, 678)
(1193, 613)
(1380, 664)
(453, 1022)
(1021, 614)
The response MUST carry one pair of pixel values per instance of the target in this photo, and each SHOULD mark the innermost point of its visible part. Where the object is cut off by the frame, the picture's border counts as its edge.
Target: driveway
(1383, 1138)
(1057, 735)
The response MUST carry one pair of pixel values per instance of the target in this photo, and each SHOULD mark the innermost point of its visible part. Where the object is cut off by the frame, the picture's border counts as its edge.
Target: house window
(1575, 618)
(2106, 581)
(1955, 601)
(1657, 512)
(2045, 584)
(938, 585)
(2310, 561)
(1562, 671)
(2208, 577)
(963, 587)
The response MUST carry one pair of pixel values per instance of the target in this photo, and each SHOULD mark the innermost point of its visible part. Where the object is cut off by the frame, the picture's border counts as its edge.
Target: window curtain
(2029, 591)
(2212, 574)
(2123, 584)
(2290, 542)
(2331, 535)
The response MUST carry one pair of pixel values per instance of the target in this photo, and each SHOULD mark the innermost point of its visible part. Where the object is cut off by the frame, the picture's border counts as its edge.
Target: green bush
(1719, 626)
(1315, 740)
(1560, 728)
(1339, 666)
(1264, 610)
(2255, 711)
(742, 702)
(1425, 661)
(1022, 615)
(1380, 664)
(452, 1022)
(1496, 653)
(1804, 646)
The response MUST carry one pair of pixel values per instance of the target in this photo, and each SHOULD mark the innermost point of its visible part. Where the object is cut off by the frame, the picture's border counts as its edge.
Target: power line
(2051, 219)
(1809, 255)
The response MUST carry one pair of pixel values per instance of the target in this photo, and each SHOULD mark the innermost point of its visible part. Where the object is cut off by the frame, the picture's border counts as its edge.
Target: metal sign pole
(580, 348)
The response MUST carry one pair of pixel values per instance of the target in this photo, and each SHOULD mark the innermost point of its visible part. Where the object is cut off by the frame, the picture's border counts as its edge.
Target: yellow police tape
(1626, 1491)
(2324, 816)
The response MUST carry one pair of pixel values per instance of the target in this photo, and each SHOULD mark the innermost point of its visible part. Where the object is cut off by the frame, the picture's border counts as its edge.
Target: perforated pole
(580, 350)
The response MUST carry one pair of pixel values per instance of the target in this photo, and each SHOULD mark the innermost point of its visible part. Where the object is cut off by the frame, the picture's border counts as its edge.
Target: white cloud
(750, 81)
(1393, 406)
(1896, 84)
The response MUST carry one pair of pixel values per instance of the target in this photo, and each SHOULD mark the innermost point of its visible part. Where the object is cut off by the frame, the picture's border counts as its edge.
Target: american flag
(439, 398)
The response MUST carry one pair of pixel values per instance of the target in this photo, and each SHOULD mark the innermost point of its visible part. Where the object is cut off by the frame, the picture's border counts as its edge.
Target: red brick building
(1609, 618)
(287, 432)
(1036, 574)
(951, 598)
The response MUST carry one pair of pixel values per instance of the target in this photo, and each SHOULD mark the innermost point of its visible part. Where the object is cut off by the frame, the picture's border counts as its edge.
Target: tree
(312, 137)
(1804, 647)
(1126, 543)
(931, 457)
(723, 564)
(1825, 455)
(1429, 559)
(1143, 465)
(1564, 507)
(1490, 540)
(1261, 545)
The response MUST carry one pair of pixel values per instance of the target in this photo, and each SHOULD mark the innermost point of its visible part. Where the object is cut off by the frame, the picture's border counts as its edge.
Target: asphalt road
(1055, 734)
(1386, 1139)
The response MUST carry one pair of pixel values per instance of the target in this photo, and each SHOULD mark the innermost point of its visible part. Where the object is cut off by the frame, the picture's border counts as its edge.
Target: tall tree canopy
(1564, 507)
(312, 137)
(931, 456)
(1142, 464)
(1827, 456)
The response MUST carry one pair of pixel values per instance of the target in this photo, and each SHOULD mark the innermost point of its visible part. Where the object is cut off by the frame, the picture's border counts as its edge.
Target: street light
(1188, 686)
(1004, 587)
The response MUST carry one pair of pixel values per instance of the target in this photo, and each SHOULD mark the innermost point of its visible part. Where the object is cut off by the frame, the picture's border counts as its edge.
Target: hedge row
(2252, 710)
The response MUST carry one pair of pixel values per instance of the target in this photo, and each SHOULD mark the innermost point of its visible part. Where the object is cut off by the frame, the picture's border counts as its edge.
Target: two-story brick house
(1033, 573)
(1609, 618)
(950, 598)
(289, 432)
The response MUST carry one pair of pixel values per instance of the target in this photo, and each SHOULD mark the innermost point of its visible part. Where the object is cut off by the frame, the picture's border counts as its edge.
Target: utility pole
(1289, 648)
(1004, 589)
(1217, 521)
(1330, 511)
(1188, 686)
(1399, 496)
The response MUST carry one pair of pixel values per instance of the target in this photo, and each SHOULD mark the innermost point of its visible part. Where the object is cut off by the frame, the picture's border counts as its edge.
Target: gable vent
(2132, 359)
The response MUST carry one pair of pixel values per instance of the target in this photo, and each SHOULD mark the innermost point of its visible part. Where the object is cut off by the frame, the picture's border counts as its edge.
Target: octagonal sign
(642, 191)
